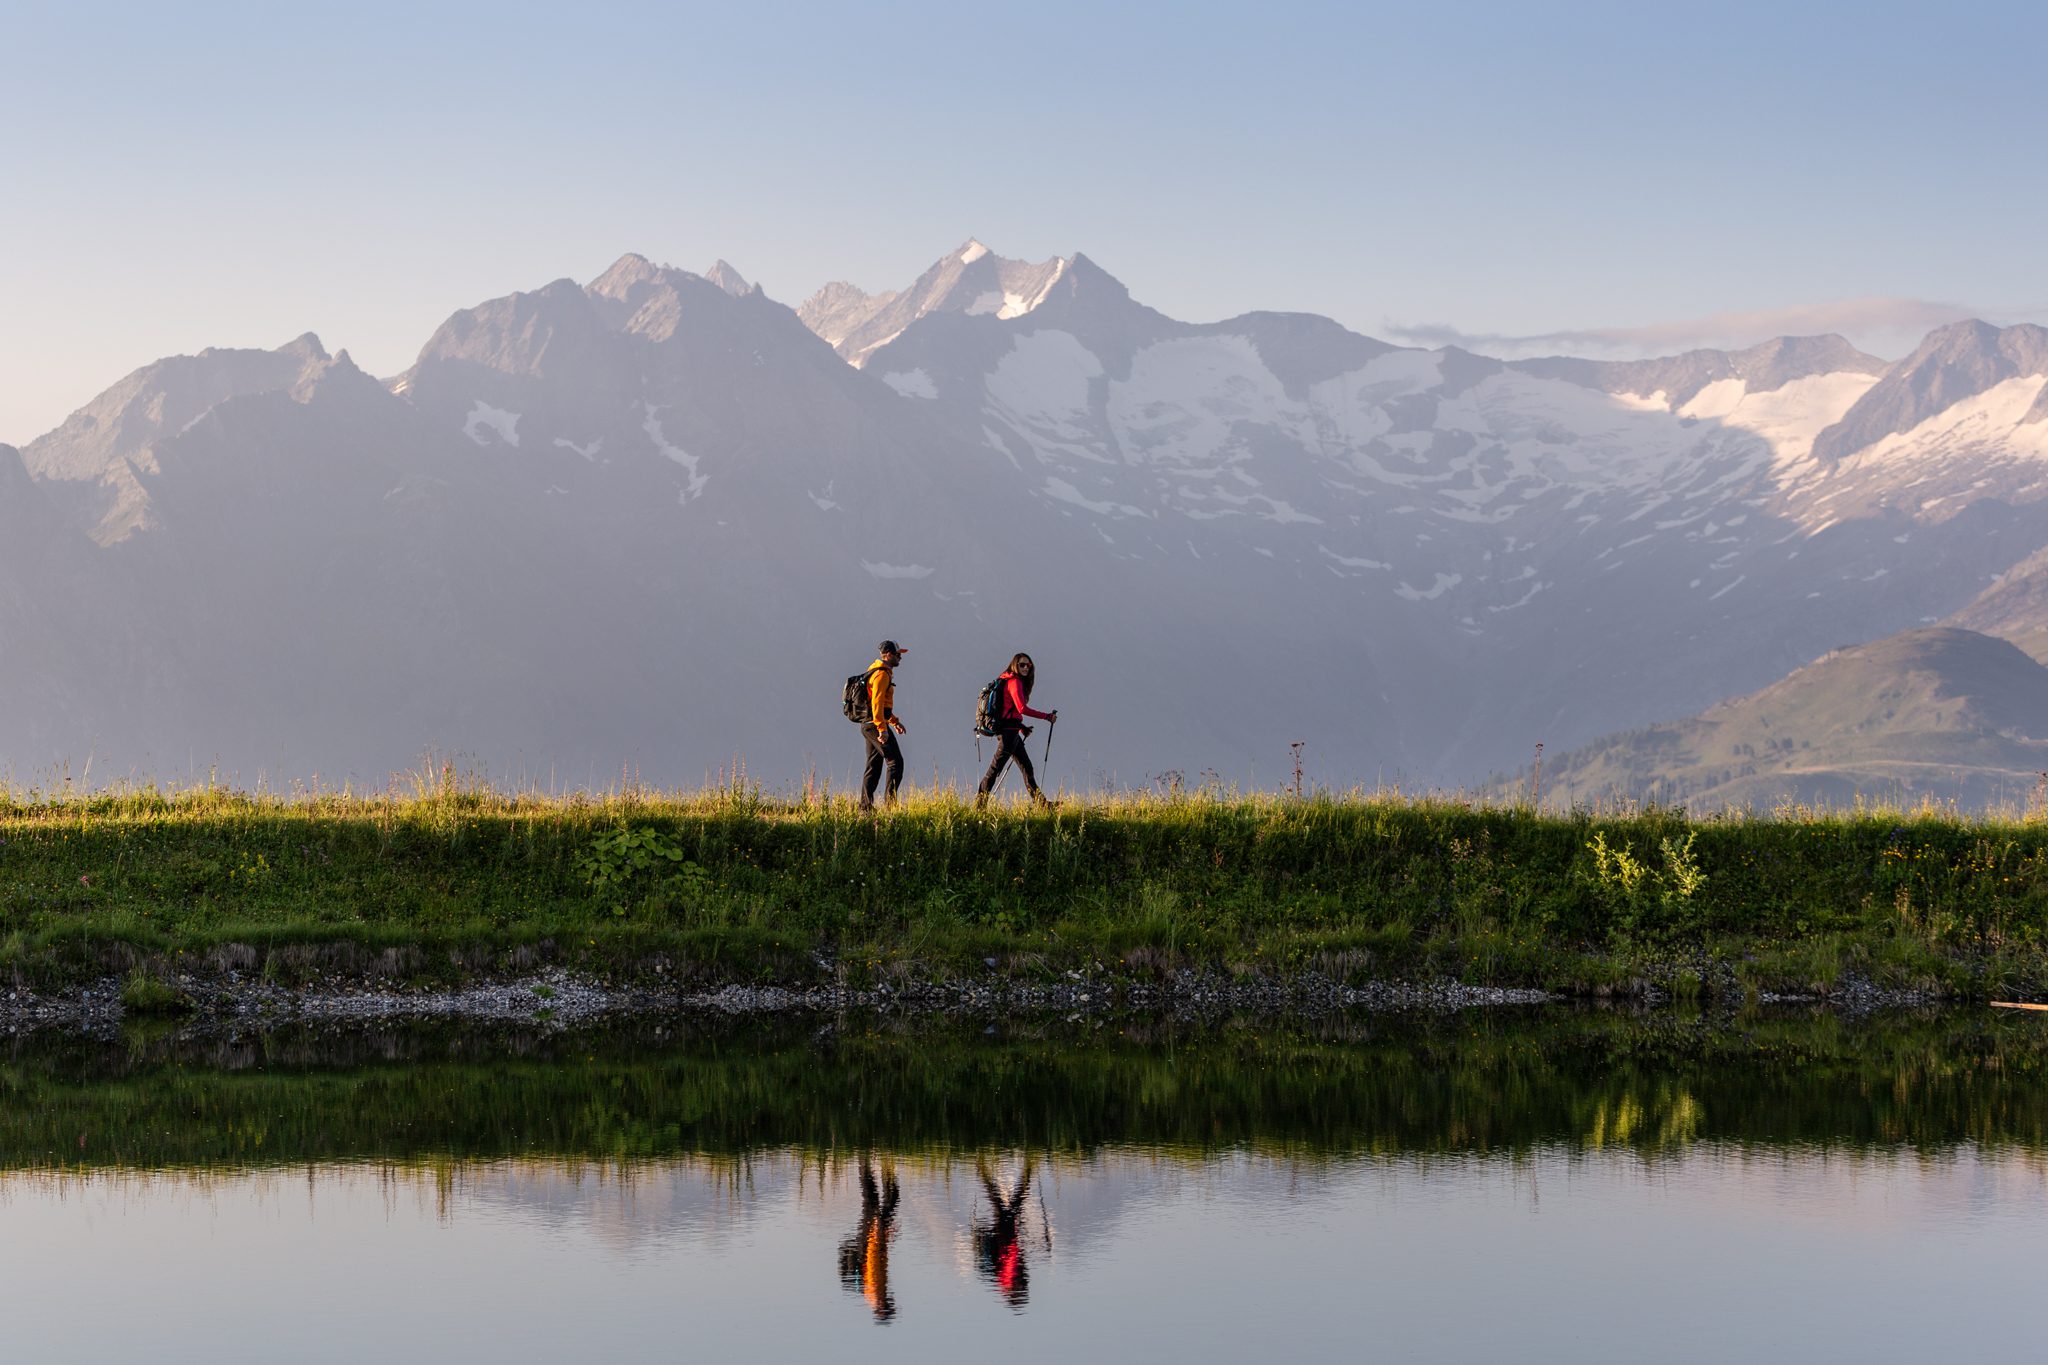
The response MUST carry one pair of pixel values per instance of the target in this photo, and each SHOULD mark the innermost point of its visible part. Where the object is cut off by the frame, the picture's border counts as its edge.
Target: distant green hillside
(1940, 713)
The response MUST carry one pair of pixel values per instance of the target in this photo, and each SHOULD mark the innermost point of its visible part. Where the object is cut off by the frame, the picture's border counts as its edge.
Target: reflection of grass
(1577, 1082)
(452, 880)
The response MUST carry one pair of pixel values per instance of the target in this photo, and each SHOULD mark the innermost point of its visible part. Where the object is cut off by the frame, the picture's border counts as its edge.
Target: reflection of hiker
(996, 1249)
(1012, 705)
(881, 726)
(864, 1257)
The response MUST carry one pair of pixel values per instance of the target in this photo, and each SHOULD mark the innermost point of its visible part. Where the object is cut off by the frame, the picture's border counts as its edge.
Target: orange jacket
(881, 695)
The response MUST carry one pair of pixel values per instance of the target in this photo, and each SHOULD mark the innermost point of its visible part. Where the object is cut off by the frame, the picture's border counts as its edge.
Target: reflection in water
(996, 1248)
(1486, 1084)
(1764, 1187)
(1731, 1252)
(864, 1257)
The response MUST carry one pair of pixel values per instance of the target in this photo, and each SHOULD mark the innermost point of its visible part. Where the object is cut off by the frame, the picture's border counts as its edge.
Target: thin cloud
(1869, 319)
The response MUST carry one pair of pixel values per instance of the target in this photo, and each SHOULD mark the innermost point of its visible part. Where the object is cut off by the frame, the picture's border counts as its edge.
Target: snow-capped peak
(971, 280)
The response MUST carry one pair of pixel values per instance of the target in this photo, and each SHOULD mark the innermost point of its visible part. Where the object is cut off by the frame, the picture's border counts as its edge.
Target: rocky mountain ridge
(629, 525)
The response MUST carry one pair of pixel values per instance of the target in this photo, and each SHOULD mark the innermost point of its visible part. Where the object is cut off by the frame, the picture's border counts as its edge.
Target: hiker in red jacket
(1011, 730)
(997, 1245)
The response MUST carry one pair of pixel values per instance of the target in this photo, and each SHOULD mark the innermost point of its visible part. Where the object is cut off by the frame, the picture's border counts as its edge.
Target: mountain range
(647, 524)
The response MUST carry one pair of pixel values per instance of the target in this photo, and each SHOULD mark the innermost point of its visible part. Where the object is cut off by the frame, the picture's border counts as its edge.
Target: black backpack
(988, 709)
(855, 701)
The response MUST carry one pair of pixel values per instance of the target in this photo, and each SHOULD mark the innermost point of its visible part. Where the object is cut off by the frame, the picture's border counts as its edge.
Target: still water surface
(1583, 1189)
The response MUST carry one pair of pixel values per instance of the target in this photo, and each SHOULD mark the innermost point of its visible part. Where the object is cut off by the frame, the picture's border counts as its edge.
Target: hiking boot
(1040, 800)
(981, 800)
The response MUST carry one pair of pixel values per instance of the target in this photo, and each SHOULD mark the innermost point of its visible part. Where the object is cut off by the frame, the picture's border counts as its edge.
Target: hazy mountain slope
(90, 463)
(2014, 608)
(62, 648)
(649, 522)
(645, 524)
(1935, 712)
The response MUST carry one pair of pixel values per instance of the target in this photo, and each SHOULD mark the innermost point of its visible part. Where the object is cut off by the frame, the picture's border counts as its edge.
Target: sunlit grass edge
(444, 877)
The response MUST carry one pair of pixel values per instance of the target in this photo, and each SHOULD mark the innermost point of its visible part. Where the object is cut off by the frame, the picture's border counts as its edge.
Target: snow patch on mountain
(1061, 491)
(1194, 424)
(1016, 305)
(1524, 600)
(1350, 562)
(484, 417)
(912, 384)
(1994, 419)
(1979, 447)
(1789, 417)
(1718, 399)
(1184, 399)
(691, 465)
(1443, 584)
(1350, 411)
(897, 570)
(1044, 382)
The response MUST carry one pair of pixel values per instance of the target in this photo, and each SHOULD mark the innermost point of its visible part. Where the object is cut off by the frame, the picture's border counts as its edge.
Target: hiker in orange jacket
(1015, 705)
(864, 1257)
(883, 726)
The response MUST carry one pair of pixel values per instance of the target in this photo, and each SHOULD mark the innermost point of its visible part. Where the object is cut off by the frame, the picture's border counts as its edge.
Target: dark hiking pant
(1009, 749)
(881, 749)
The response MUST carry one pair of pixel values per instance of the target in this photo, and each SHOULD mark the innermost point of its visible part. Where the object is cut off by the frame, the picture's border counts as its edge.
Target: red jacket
(1014, 706)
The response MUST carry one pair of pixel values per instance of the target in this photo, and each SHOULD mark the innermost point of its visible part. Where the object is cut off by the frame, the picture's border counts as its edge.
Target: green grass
(143, 993)
(451, 880)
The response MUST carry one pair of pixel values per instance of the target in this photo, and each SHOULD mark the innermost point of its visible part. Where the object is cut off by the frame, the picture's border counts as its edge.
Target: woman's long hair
(1024, 671)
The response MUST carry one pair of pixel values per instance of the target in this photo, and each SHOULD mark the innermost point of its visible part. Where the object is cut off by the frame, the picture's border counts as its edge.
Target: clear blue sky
(177, 176)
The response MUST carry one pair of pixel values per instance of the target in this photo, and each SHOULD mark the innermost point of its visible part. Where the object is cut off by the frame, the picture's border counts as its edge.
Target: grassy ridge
(732, 885)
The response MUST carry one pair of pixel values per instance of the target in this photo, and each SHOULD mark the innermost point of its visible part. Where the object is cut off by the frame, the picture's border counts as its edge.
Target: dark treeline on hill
(1502, 1084)
(732, 887)
(645, 524)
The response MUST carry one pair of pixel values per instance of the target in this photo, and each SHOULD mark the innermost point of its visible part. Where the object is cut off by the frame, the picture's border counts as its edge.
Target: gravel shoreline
(559, 999)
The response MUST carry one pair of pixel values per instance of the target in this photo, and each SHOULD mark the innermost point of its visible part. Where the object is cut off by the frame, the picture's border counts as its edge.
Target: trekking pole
(1049, 727)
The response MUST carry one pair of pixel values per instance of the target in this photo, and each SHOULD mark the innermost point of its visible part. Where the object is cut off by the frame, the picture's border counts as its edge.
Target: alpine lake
(1529, 1184)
